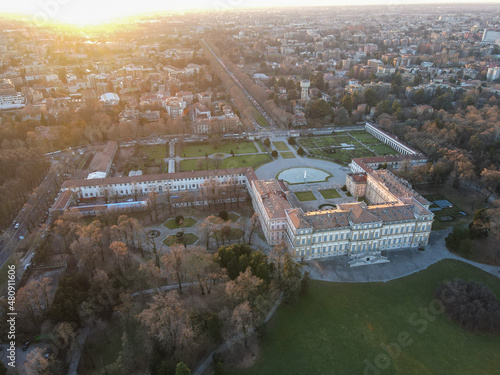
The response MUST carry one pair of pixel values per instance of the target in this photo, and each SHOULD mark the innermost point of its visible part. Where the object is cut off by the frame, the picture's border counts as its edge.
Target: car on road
(17, 225)
(26, 346)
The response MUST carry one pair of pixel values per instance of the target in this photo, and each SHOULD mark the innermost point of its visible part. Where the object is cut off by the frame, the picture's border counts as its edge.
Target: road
(261, 110)
(35, 210)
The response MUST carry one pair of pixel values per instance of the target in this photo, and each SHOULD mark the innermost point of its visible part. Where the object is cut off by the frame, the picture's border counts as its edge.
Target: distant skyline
(89, 12)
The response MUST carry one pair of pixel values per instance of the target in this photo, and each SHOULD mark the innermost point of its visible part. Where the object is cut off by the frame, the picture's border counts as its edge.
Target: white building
(10, 99)
(493, 74)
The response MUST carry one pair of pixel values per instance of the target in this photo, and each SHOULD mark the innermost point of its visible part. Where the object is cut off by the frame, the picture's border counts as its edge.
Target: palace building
(392, 215)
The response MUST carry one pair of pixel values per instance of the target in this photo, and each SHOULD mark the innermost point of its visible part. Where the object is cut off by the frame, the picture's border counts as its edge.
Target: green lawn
(260, 119)
(305, 196)
(191, 239)
(340, 327)
(287, 155)
(364, 137)
(188, 222)
(261, 146)
(194, 151)
(156, 152)
(280, 146)
(230, 162)
(330, 194)
(383, 150)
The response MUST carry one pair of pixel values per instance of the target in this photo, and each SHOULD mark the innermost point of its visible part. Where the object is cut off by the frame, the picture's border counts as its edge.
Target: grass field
(156, 152)
(340, 327)
(280, 146)
(261, 146)
(260, 119)
(304, 196)
(287, 155)
(194, 151)
(191, 239)
(188, 222)
(231, 162)
(330, 194)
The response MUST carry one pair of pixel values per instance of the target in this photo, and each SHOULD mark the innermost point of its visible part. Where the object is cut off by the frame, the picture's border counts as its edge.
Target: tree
(182, 369)
(254, 224)
(224, 215)
(244, 288)
(300, 151)
(179, 220)
(38, 364)
(168, 322)
(291, 279)
(242, 320)
(347, 103)
(174, 261)
(120, 250)
(292, 141)
(267, 142)
(371, 97)
(274, 153)
(201, 267)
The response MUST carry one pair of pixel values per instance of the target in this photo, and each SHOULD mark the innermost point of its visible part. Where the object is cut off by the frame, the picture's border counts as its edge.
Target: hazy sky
(98, 11)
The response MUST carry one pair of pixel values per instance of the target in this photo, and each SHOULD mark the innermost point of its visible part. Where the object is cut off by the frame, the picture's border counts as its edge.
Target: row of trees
(21, 171)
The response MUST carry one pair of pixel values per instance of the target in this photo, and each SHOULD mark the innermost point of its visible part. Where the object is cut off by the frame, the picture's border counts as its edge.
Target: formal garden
(343, 147)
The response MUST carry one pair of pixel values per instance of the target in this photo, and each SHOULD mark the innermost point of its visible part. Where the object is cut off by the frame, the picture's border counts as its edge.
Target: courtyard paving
(402, 263)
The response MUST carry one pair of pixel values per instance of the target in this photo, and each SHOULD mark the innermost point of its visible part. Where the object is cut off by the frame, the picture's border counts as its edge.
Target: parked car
(17, 225)
(26, 346)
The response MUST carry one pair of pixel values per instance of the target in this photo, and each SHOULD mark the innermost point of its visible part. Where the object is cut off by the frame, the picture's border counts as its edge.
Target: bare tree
(174, 261)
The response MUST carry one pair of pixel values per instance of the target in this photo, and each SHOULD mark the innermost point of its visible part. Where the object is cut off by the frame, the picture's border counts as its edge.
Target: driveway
(402, 263)
(269, 170)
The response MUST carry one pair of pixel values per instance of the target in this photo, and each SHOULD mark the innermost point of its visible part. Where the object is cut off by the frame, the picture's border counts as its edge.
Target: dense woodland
(234, 288)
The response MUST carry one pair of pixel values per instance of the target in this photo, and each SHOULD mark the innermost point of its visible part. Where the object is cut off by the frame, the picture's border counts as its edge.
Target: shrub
(179, 219)
(224, 215)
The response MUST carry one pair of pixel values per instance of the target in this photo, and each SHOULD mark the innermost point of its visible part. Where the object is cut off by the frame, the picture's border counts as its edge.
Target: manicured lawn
(280, 146)
(188, 222)
(364, 137)
(192, 151)
(191, 239)
(230, 162)
(261, 146)
(287, 155)
(156, 152)
(233, 217)
(305, 196)
(383, 150)
(340, 327)
(260, 120)
(330, 194)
